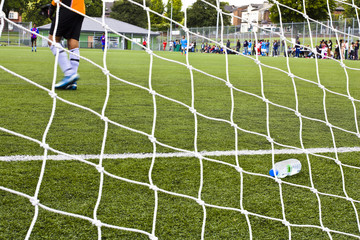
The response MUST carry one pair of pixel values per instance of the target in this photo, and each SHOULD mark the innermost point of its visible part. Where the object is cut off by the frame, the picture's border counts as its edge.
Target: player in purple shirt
(103, 41)
(33, 37)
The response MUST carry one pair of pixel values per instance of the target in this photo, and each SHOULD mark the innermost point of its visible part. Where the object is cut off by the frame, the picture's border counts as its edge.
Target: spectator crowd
(324, 50)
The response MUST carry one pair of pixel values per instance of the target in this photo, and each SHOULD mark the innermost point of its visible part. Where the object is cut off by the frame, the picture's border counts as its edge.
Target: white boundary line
(176, 154)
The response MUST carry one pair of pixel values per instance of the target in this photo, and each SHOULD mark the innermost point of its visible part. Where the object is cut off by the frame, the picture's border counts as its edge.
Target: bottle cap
(271, 172)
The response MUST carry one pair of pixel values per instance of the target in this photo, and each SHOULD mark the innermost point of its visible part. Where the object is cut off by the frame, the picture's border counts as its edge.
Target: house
(15, 16)
(108, 6)
(238, 12)
(339, 12)
(253, 13)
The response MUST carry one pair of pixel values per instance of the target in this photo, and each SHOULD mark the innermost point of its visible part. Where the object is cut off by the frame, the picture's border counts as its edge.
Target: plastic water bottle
(286, 168)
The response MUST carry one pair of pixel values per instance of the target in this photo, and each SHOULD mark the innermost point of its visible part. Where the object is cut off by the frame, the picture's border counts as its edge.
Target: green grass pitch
(73, 186)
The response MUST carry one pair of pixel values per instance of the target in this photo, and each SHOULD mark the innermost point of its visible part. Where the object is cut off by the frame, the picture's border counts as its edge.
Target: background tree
(157, 22)
(93, 8)
(201, 14)
(32, 12)
(316, 9)
(157, 6)
(349, 11)
(33, 7)
(125, 11)
(177, 14)
(15, 5)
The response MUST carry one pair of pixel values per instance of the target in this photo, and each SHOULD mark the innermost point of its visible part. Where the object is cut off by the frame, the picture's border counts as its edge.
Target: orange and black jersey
(78, 5)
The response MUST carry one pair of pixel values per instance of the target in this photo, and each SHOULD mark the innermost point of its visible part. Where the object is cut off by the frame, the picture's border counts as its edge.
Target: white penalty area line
(176, 154)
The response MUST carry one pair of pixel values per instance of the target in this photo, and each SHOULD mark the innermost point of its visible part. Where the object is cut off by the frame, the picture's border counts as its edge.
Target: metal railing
(14, 36)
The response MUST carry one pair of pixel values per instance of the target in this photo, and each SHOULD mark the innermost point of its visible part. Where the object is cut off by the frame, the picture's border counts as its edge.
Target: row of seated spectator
(324, 50)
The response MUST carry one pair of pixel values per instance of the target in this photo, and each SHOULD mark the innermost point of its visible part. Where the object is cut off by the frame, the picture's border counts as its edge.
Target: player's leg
(69, 75)
(73, 46)
(32, 44)
(35, 43)
(69, 27)
(64, 62)
(64, 23)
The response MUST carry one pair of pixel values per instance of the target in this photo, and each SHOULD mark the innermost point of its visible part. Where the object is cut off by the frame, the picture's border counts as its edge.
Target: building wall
(250, 17)
(254, 13)
(238, 13)
(108, 6)
(266, 17)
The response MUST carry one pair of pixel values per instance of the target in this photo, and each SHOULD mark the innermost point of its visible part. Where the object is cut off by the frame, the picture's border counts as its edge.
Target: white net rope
(36, 202)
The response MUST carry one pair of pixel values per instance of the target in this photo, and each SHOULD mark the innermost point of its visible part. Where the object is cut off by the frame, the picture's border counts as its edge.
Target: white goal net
(338, 163)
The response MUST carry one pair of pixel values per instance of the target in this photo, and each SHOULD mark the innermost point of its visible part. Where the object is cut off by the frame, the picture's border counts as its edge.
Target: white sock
(74, 60)
(64, 62)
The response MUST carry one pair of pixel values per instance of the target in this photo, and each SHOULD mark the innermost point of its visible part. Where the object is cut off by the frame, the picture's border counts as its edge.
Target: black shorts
(69, 25)
(33, 40)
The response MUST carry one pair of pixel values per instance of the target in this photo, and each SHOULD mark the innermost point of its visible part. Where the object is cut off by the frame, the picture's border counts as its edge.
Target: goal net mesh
(334, 158)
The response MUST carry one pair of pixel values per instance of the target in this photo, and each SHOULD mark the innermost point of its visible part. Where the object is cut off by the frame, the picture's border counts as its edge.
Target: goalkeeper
(69, 27)
(33, 37)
